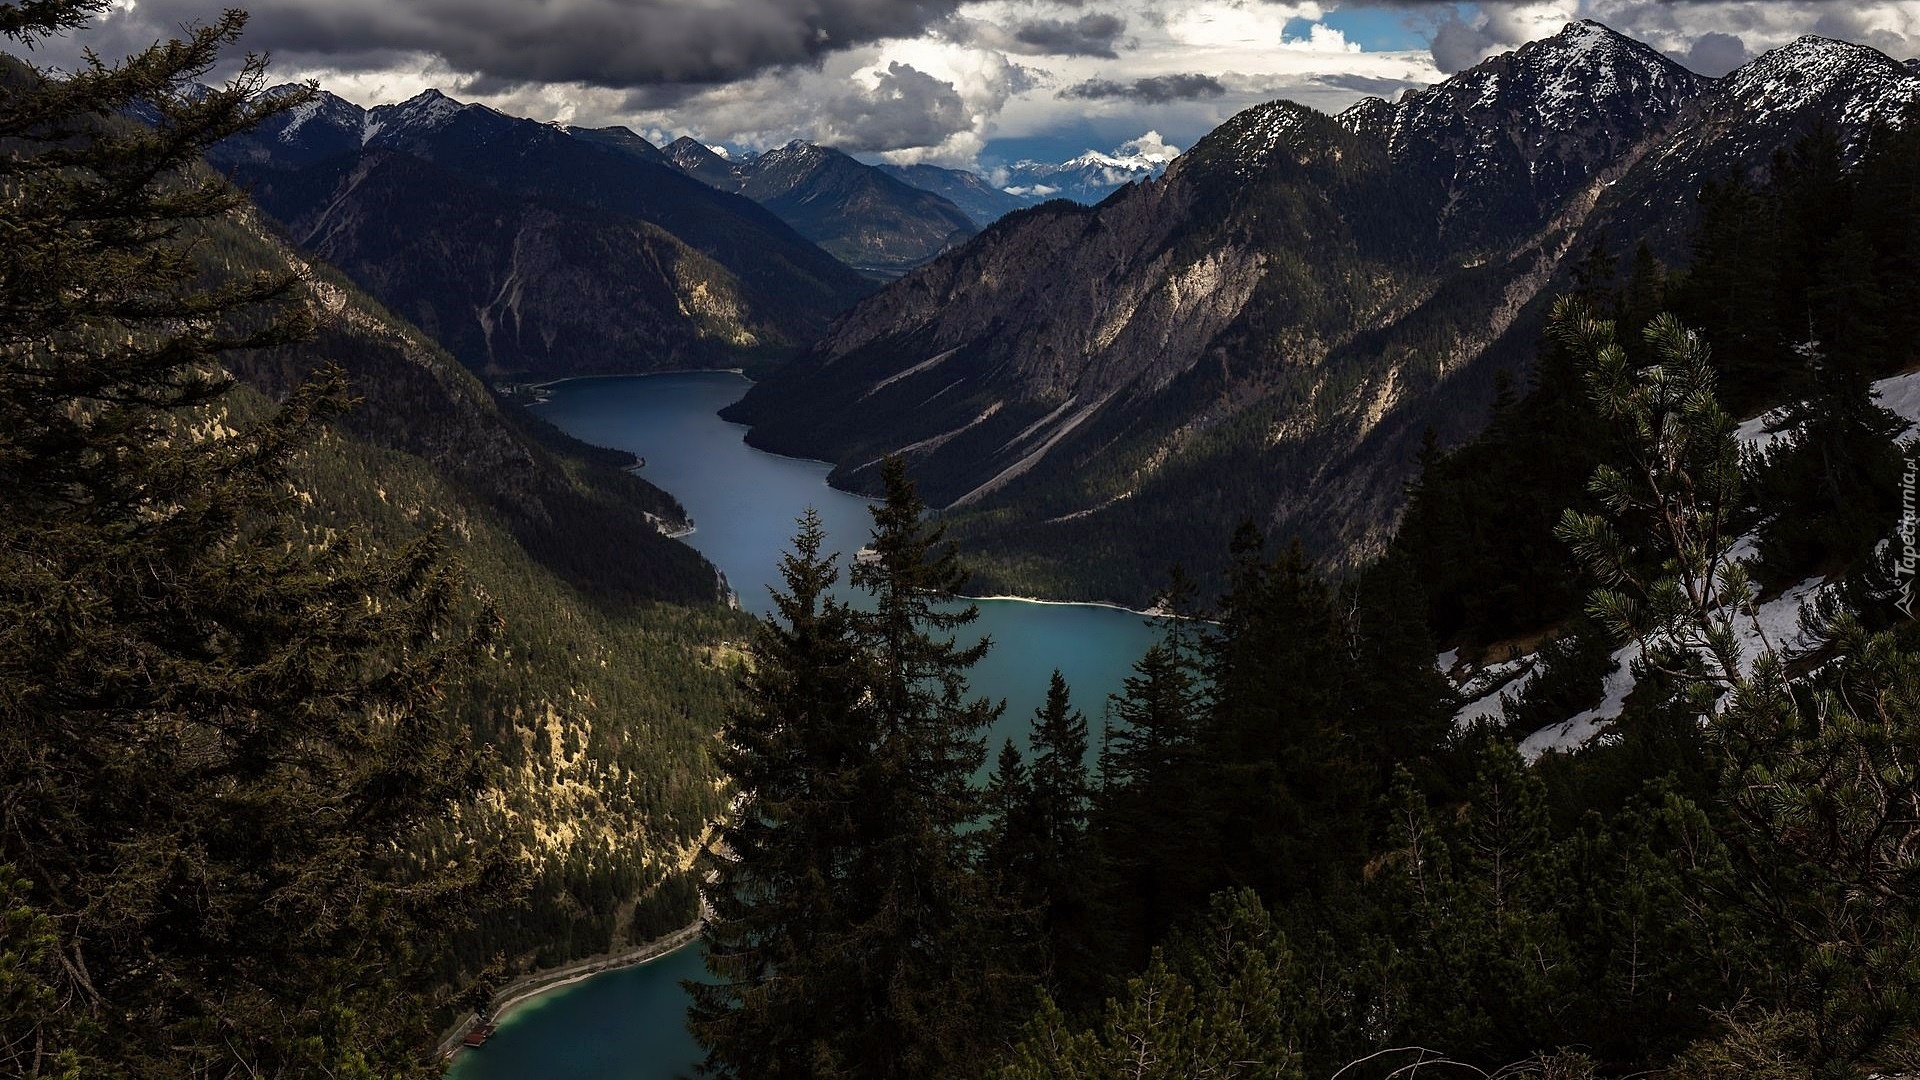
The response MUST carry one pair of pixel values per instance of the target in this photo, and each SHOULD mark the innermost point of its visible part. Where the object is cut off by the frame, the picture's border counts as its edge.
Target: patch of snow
(1745, 549)
(298, 116)
(1488, 690)
(1900, 395)
(1576, 730)
(1762, 432)
(1774, 626)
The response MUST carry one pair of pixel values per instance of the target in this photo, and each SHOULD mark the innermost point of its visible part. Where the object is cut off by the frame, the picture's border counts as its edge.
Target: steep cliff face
(536, 252)
(1267, 331)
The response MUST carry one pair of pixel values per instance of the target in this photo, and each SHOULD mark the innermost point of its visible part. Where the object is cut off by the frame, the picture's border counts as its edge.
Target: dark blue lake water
(628, 1025)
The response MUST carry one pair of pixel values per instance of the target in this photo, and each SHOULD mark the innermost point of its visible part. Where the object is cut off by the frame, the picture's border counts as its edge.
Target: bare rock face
(1267, 331)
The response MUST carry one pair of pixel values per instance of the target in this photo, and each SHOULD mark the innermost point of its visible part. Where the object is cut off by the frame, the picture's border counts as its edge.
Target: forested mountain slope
(1268, 331)
(610, 674)
(329, 687)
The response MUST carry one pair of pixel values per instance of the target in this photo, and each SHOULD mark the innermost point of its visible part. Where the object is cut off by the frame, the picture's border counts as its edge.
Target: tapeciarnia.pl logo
(1909, 562)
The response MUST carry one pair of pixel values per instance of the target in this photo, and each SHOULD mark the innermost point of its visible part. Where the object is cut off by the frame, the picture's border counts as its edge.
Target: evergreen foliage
(1712, 892)
(773, 882)
(218, 743)
(850, 920)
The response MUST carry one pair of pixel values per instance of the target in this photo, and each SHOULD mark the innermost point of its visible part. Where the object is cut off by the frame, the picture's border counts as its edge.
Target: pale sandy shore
(534, 984)
(1150, 613)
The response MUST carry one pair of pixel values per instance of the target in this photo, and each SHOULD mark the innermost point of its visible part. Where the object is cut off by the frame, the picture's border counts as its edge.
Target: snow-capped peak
(1855, 84)
(324, 109)
(794, 150)
(1369, 115)
(426, 111)
(1090, 176)
(1810, 66)
(1586, 35)
(1582, 93)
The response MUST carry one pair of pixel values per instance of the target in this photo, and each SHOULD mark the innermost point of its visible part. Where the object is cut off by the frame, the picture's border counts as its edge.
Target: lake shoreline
(742, 372)
(1150, 613)
(535, 984)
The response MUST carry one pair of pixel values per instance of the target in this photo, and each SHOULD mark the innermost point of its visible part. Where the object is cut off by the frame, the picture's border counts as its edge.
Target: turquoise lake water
(629, 1025)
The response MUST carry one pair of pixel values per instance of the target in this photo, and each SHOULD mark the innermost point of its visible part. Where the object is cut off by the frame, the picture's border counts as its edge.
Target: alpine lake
(629, 1024)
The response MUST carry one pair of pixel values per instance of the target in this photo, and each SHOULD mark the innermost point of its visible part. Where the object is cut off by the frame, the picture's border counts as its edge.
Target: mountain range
(864, 216)
(1088, 179)
(978, 199)
(536, 251)
(532, 253)
(1267, 331)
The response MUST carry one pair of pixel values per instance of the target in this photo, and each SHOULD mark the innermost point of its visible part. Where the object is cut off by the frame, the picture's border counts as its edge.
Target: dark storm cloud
(1366, 84)
(600, 42)
(1094, 34)
(1714, 53)
(907, 107)
(1154, 90)
(1089, 35)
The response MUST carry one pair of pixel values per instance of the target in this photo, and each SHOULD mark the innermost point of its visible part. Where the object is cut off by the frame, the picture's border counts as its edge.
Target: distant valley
(534, 251)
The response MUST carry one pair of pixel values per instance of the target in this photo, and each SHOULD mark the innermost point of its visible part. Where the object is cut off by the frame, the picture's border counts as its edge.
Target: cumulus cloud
(1152, 89)
(1458, 45)
(1150, 147)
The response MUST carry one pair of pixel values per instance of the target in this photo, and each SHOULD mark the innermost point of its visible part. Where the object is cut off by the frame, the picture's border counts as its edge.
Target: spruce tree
(914, 945)
(1038, 849)
(774, 885)
(1145, 806)
(219, 735)
(1063, 869)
